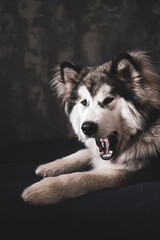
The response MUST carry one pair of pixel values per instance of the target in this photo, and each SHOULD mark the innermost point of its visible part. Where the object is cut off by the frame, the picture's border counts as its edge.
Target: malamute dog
(115, 111)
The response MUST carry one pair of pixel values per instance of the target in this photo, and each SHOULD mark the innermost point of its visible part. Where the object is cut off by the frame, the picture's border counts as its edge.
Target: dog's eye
(107, 100)
(84, 102)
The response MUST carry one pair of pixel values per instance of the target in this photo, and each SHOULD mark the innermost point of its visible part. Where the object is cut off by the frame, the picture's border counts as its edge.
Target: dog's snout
(89, 128)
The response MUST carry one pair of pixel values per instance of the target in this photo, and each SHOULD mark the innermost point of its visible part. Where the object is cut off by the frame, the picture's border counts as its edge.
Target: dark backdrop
(35, 35)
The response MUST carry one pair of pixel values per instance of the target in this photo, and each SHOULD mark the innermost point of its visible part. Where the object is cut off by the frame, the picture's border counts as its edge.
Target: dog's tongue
(104, 148)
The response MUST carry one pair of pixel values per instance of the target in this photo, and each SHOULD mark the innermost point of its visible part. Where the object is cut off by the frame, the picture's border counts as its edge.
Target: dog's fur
(115, 111)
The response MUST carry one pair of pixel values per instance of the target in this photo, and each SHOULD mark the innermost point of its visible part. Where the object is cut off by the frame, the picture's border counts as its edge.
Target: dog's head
(110, 103)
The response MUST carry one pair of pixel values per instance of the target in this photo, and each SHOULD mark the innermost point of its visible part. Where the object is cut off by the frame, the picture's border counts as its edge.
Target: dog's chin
(107, 146)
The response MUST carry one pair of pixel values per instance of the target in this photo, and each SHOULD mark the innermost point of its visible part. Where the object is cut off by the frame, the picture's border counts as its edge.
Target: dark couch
(130, 212)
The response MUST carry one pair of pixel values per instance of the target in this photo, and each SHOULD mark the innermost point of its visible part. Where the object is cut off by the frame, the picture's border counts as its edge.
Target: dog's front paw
(43, 193)
(48, 169)
(44, 171)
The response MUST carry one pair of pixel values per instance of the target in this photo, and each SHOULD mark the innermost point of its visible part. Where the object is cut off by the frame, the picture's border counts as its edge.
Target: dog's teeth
(104, 148)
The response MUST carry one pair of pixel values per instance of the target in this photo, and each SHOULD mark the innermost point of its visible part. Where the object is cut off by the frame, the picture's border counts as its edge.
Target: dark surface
(130, 212)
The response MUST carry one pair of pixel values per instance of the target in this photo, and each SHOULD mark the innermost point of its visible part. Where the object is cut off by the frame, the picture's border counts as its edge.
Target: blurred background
(36, 35)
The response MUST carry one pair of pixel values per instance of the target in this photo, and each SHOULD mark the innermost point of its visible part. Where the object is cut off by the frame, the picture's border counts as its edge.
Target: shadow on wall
(36, 35)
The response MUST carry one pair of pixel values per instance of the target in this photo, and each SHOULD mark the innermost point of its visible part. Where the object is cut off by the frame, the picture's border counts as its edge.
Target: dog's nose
(89, 128)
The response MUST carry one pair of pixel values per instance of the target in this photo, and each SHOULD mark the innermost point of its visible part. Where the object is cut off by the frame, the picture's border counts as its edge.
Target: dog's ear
(65, 78)
(125, 67)
(69, 72)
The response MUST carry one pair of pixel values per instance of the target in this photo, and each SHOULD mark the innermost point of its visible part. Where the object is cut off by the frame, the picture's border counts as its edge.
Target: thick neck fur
(137, 151)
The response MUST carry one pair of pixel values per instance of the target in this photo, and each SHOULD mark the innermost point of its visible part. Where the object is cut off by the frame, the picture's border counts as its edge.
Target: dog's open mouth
(107, 146)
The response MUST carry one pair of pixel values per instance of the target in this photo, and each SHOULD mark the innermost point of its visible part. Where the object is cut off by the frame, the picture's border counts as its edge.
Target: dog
(114, 110)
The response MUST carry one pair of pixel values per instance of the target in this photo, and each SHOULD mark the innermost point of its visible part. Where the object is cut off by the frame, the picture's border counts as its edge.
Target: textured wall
(37, 34)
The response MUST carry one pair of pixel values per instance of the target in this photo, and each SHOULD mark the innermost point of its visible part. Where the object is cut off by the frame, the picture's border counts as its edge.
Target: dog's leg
(76, 161)
(55, 189)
